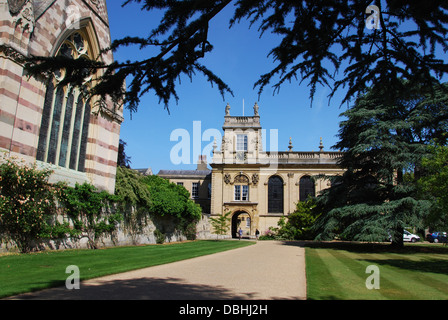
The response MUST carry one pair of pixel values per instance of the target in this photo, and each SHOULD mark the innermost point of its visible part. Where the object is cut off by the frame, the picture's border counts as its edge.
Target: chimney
(202, 163)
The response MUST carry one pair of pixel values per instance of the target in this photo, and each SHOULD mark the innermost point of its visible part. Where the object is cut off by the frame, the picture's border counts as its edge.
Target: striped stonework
(41, 122)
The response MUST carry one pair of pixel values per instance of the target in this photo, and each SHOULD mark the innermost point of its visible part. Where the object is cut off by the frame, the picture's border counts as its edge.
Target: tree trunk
(397, 238)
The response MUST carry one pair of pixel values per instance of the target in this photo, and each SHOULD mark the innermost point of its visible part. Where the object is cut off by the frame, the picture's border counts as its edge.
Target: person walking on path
(240, 233)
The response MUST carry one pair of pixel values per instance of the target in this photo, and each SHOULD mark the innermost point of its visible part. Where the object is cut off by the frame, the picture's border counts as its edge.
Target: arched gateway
(241, 220)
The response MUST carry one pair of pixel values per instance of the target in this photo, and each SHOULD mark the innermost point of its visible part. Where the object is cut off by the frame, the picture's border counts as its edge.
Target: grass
(338, 271)
(30, 272)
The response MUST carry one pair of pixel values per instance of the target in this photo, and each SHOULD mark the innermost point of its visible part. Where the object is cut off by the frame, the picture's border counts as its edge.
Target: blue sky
(239, 57)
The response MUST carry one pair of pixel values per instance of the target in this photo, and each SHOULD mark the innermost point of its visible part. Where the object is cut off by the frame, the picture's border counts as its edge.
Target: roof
(184, 173)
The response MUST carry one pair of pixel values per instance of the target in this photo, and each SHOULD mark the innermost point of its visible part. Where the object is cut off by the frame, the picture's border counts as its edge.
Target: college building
(257, 187)
(57, 127)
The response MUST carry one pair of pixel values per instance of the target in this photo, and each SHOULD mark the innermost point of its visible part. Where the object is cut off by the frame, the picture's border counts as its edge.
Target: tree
(221, 224)
(382, 142)
(318, 40)
(299, 224)
(123, 160)
(433, 185)
(169, 199)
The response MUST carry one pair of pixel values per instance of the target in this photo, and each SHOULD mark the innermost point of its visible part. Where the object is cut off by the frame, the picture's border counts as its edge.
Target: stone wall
(123, 236)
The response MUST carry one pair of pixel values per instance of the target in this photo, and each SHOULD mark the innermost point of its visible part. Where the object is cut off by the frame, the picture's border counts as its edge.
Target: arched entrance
(241, 220)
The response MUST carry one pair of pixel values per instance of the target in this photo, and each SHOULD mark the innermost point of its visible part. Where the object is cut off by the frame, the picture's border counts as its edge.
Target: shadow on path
(138, 289)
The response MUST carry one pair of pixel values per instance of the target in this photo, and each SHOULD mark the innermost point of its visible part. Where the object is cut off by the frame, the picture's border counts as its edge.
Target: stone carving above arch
(241, 178)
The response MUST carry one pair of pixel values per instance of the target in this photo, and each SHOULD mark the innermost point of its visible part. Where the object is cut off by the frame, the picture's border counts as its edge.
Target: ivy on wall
(31, 208)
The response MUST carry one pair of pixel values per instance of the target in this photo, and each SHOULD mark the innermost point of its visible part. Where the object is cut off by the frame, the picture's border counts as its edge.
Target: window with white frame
(241, 188)
(195, 190)
(241, 142)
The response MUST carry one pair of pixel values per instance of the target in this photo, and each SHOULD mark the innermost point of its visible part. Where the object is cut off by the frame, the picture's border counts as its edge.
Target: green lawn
(30, 272)
(338, 271)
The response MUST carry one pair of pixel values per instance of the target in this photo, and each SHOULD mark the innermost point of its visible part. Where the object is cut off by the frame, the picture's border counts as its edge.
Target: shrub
(160, 236)
(299, 224)
(268, 235)
(27, 203)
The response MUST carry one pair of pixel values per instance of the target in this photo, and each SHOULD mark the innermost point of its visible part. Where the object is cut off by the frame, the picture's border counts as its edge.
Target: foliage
(299, 224)
(123, 160)
(28, 212)
(269, 234)
(433, 184)
(169, 199)
(142, 196)
(318, 40)
(89, 211)
(221, 224)
(160, 236)
(381, 142)
(134, 199)
(27, 203)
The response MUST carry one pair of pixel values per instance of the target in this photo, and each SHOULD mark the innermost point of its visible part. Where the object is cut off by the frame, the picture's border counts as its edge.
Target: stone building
(259, 187)
(57, 127)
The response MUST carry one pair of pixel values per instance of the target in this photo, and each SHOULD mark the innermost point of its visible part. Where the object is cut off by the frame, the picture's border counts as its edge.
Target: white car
(407, 236)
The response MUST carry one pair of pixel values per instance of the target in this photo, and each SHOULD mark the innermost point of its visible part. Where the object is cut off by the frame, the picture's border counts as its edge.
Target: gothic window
(275, 195)
(241, 188)
(306, 188)
(66, 114)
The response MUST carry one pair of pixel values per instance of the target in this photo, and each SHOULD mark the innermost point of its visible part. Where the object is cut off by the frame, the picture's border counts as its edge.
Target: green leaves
(321, 42)
(385, 137)
(433, 185)
(170, 199)
(221, 223)
(27, 202)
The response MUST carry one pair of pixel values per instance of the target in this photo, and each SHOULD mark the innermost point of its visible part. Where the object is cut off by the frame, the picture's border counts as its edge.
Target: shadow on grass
(427, 265)
(137, 289)
(365, 247)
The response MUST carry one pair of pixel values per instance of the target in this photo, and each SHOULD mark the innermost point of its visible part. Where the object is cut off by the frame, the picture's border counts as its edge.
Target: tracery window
(66, 114)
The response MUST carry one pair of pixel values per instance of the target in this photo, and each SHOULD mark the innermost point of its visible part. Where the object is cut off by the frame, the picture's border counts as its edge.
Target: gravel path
(266, 270)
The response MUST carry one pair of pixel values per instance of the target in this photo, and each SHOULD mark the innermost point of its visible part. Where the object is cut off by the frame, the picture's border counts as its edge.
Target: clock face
(241, 155)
